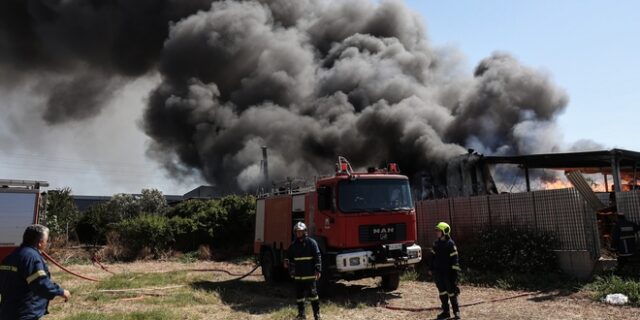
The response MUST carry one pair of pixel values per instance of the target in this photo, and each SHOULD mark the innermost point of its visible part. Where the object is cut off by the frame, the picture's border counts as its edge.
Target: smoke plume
(309, 79)
(80, 52)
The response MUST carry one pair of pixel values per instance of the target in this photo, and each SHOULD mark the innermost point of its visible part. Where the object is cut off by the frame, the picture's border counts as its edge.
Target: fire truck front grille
(383, 233)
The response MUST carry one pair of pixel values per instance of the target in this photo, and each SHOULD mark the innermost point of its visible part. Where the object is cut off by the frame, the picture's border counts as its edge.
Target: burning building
(571, 210)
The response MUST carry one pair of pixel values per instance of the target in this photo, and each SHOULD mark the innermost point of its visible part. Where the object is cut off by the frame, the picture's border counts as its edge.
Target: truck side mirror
(325, 198)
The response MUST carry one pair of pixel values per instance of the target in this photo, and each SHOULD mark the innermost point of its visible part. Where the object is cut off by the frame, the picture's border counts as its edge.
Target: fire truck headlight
(414, 252)
(355, 261)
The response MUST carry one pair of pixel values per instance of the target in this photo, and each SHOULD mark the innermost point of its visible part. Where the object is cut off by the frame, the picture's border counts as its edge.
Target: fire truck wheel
(268, 266)
(391, 281)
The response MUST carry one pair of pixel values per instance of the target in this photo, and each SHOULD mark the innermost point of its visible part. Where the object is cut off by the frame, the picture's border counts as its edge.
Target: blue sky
(590, 48)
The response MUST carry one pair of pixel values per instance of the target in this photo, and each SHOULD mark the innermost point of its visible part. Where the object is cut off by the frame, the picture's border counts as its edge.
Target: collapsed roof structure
(619, 163)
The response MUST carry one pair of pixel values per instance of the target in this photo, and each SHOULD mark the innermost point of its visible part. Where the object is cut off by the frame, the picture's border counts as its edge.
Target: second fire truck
(364, 223)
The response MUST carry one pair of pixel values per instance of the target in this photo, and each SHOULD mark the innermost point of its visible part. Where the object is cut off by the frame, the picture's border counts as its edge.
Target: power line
(79, 170)
(50, 158)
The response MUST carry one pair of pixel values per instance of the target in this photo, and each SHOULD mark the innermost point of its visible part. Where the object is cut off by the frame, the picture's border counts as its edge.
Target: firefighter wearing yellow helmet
(444, 268)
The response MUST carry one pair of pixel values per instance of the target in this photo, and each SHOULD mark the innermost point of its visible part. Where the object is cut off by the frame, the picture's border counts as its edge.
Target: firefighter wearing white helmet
(305, 265)
(444, 268)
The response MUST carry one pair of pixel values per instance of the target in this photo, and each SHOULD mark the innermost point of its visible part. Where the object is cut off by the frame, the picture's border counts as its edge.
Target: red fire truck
(19, 201)
(364, 223)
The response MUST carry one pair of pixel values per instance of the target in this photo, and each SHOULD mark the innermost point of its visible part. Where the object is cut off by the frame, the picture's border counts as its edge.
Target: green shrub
(240, 220)
(95, 223)
(504, 250)
(225, 223)
(146, 231)
(602, 286)
(157, 233)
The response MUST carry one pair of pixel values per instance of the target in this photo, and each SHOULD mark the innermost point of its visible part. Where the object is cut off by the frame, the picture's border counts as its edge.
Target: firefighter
(305, 264)
(444, 268)
(25, 282)
(624, 240)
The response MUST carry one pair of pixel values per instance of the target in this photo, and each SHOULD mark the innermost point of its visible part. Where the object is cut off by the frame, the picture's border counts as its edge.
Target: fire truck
(19, 202)
(363, 222)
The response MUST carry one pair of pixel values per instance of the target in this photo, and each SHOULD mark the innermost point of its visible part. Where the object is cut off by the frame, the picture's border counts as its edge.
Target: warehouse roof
(589, 161)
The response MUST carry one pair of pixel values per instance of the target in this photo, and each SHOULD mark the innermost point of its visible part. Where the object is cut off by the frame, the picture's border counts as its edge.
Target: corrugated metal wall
(562, 212)
(629, 203)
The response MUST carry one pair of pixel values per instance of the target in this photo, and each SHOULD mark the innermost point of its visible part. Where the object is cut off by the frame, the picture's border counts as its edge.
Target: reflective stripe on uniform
(302, 258)
(36, 275)
(626, 229)
(627, 237)
(452, 294)
(300, 300)
(315, 298)
(625, 254)
(455, 253)
(456, 268)
(305, 278)
(444, 293)
(8, 268)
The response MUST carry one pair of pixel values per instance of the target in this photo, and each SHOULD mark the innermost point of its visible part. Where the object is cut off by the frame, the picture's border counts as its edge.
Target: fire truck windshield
(374, 195)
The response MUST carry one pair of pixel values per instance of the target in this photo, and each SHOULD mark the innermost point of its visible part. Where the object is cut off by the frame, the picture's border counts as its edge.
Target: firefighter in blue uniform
(305, 264)
(444, 268)
(25, 282)
(624, 240)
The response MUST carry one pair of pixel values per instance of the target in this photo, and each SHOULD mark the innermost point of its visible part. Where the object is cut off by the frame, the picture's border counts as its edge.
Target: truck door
(18, 210)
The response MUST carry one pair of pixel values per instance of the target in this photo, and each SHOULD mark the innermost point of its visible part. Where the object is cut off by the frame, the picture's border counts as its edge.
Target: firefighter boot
(301, 312)
(316, 310)
(444, 299)
(455, 307)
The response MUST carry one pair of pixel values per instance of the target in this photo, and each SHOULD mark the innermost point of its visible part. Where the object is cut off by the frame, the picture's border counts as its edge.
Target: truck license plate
(395, 246)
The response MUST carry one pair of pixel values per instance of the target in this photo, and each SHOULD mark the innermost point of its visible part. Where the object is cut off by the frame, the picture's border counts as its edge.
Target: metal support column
(526, 176)
(615, 172)
(635, 175)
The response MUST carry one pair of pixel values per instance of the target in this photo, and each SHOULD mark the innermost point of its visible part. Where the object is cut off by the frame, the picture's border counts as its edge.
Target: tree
(62, 214)
(95, 223)
(153, 202)
(124, 206)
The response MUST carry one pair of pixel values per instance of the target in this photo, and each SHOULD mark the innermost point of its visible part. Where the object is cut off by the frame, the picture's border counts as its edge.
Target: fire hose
(386, 306)
(239, 276)
(57, 264)
(96, 260)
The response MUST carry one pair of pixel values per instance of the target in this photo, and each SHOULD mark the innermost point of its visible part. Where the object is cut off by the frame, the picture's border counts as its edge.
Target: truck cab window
(374, 195)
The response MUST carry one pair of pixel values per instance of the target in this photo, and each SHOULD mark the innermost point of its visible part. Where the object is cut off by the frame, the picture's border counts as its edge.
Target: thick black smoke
(317, 79)
(310, 79)
(79, 51)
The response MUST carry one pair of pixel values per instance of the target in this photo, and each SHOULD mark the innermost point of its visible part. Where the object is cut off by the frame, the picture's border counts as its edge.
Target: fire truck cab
(364, 223)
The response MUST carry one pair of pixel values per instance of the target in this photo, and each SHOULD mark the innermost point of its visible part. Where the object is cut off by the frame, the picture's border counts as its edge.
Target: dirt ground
(210, 295)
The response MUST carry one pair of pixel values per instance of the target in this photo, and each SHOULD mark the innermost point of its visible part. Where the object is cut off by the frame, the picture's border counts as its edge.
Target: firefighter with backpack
(444, 269)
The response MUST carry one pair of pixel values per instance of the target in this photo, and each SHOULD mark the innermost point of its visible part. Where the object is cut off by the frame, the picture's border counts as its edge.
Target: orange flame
(561, 184)
(558, 184)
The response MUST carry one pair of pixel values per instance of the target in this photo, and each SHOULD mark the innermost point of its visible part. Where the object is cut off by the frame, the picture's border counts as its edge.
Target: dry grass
(209, 295)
